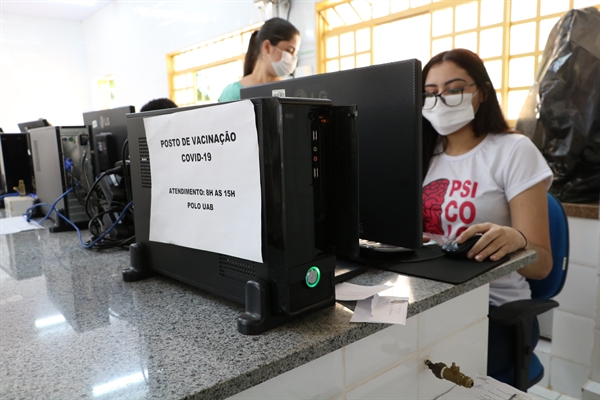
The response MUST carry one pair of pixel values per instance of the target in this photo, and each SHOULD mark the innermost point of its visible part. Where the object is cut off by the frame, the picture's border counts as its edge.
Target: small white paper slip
(350, 292)
(383, 310)
(17, 224)
(485, 388)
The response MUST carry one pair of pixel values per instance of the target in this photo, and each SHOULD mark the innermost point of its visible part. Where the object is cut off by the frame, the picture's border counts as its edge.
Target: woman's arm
(529, 215)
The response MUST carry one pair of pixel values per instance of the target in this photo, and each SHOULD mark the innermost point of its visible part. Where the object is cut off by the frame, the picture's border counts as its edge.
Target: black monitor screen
(38, 123)
(389, 131)
(109, 132)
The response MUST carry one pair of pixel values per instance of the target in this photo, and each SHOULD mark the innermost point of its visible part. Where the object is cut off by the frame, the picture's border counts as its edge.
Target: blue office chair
(528, 370)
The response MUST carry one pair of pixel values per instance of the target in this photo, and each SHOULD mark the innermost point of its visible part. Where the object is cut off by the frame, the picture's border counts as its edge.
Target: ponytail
(251, 54)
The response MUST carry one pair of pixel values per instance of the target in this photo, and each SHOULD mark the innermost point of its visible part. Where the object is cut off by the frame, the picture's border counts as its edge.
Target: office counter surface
(71, 328)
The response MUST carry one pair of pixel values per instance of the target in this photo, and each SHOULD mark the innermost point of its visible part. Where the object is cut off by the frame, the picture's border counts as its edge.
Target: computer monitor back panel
(109, 132)
(15, 162)
(50, 147)
(388, 97)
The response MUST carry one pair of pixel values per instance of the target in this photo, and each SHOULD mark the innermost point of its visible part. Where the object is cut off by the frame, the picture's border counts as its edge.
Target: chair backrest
(551, 285)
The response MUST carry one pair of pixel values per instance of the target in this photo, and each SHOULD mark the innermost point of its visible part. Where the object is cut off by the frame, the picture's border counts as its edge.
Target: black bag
(562, 113)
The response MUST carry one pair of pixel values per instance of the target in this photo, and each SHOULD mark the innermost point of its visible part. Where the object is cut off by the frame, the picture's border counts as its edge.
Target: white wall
(49, 68)
(131, 40)
(42, 72)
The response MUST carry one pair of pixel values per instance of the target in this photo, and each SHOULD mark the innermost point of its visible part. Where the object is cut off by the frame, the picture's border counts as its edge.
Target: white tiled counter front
(391, 362)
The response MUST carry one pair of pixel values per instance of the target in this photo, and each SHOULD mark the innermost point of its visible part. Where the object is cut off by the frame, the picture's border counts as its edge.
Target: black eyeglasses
(451, 97)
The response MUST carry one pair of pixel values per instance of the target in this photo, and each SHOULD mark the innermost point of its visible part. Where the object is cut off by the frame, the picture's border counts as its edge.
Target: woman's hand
(496, 242)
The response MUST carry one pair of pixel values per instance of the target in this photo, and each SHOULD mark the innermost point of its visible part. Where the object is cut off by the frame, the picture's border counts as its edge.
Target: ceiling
(70, 10)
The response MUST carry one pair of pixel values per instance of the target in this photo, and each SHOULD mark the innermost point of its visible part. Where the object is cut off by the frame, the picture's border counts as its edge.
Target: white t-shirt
(477, 187)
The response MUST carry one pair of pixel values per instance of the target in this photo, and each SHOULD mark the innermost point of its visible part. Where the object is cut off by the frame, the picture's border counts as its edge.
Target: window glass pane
(419, 3)
(516, 99)
(490, 43)
(494, 70)
(332, 66)
(523, 9)
(363, 60)
(553, 6)
(331, 47)
(442, 22)
(347, 63)
(584, 3)
(466, 41)
(499, 96)
(546, 26)
(386, 48)
(399, 5)
(210, 82)
(522, 38)
(176, 62)
(466, 17)
(439, 45)
(347, 43)
(363, 40)
(520, 71)
(381, 8)
(349, 16)
(189, 80)
(333, 19)
(492, 12)
(363, 8)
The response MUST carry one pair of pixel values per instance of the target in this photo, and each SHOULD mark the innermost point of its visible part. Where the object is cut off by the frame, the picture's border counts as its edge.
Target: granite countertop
(589, 211)
(71, 328)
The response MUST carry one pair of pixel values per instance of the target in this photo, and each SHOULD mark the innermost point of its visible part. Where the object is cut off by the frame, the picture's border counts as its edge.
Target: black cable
(420, 259)
(98, 179)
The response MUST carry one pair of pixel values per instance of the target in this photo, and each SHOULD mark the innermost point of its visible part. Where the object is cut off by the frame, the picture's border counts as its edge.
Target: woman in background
(483, 178)
(272, 55)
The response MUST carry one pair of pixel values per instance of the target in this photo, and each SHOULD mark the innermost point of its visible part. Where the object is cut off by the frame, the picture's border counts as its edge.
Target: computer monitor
(38, 123)
(388, 124)
(109, 132)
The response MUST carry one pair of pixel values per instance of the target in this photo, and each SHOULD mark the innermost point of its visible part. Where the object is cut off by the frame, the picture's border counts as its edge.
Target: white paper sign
(206, 191)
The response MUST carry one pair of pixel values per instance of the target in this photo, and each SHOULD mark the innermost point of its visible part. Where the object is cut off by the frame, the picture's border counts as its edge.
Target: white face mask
(447, 120)
(286, 65)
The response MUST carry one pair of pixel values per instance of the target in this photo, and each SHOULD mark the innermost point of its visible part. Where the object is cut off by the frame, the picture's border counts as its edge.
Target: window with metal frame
(198, 74)
(509, 36)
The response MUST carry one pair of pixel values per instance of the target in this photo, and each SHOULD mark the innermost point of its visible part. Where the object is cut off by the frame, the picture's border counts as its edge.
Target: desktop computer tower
(61, 160)
(15, 163)
(307, 151)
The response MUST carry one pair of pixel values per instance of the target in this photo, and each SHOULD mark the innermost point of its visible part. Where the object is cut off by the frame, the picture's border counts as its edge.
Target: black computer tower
(61, 160)
(309, 184)
(15, 163)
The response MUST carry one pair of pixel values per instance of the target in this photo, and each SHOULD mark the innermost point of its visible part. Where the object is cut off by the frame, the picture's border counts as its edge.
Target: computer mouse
(453, 249)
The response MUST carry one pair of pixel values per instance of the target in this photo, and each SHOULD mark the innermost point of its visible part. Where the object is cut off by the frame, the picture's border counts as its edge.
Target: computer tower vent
(145, 164)
(236, 269)
(36, 156)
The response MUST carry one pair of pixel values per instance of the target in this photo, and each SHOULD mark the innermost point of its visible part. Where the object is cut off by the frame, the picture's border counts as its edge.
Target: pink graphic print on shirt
(457, 209)
(433, 199)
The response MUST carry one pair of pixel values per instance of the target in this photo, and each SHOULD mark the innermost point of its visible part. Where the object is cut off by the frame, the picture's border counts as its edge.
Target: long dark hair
(489, 117)
(274, 30)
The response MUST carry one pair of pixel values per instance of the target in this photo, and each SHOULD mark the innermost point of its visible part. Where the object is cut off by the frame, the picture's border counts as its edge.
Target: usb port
(315, 172)
(314, 135)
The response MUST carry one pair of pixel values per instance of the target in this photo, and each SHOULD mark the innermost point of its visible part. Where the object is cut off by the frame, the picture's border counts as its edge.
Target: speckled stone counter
(70, 328)
(589, 211)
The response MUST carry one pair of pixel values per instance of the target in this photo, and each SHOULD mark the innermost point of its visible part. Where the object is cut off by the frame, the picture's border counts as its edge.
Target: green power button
(313, 276)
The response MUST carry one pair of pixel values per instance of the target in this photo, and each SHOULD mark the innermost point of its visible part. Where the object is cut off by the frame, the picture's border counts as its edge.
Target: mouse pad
(431, 263)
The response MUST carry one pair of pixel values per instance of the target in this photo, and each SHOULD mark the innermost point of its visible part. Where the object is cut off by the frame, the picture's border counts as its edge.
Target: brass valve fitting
(21, 188)
(451, 374)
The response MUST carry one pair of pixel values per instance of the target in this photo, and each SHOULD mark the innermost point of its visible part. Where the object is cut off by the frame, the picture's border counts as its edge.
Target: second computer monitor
(390, 144)
(109, 132)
